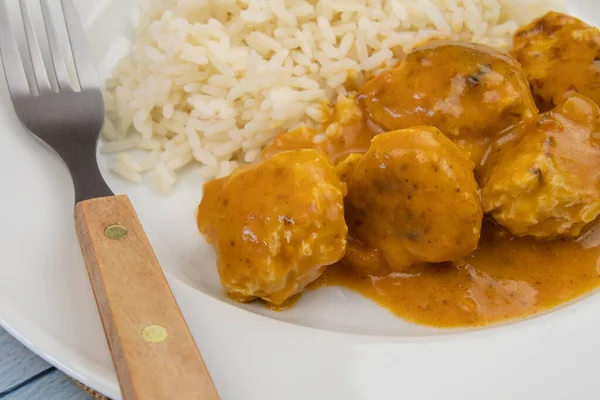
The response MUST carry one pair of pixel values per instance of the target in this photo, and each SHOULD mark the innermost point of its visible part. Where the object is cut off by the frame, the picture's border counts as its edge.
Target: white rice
(211, 82)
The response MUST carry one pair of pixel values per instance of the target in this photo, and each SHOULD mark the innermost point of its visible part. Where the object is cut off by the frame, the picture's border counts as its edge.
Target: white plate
(333, 344)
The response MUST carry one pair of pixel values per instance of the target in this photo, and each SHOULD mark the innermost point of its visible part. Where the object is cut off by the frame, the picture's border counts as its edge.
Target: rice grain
(211, 82)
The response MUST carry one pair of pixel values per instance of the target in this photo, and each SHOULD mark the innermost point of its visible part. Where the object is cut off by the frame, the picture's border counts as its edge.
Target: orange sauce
(505, 278)
(344, 132)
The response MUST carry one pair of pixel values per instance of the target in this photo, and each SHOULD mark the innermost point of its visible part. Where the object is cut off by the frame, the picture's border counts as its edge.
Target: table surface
(25, 376)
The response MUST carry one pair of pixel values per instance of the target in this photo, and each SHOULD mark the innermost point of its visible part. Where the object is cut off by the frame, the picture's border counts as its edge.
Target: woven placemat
(91, 392)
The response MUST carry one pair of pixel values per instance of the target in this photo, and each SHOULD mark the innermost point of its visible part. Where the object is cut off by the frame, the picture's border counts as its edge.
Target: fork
(153, 352)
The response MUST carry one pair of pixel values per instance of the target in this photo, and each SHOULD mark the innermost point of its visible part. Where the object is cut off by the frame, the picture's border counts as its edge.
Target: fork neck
(79, 155)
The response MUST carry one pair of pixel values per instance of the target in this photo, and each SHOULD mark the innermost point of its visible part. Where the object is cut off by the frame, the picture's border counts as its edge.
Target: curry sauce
(505, 278)
(413, 148)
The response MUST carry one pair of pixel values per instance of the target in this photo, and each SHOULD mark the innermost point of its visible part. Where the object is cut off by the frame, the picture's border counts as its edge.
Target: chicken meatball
(275, 225)
(547, 183)
(413, 198)
(468, 91)
(559, 54)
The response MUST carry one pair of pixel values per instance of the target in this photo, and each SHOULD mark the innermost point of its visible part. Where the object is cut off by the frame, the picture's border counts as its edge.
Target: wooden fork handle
(152, 349)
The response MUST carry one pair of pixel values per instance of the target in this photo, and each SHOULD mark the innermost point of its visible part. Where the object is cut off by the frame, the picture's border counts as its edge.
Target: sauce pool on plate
(505, 278)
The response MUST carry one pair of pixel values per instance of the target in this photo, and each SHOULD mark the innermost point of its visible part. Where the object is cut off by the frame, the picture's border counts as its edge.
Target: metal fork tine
(35, 54)
(86, 71)
(60, 68)
(11, 59)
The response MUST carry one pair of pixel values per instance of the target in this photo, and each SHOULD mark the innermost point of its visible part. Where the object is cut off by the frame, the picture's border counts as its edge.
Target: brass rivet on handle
(154, 334)
(116, 232)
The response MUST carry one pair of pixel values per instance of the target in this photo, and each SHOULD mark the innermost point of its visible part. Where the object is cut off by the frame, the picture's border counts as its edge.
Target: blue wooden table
(25, 376)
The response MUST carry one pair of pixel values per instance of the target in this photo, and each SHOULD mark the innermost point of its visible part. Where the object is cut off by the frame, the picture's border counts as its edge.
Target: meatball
(547, 182)
(275, 225)
(559, 54)
(413, 198)
(468, 91)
